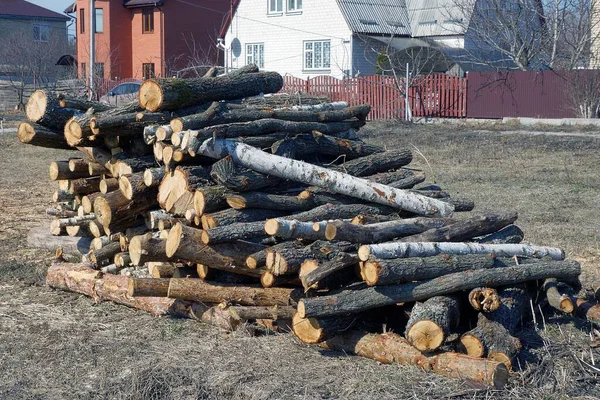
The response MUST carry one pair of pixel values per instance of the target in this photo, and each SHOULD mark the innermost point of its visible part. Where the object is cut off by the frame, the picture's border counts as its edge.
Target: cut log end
(501, 357)
(370, 272)
(566, 304)
(174, 239)
(363, 253)
(426, 335)
(271, 226)
(176, 125)
(25, 132)
(484, 299)
(301, 309)
(126, 188)
(472, 346)
(236, 202)
(150, 96)
(251, 262)
(36, 105)
(330, 231)
(307, 329)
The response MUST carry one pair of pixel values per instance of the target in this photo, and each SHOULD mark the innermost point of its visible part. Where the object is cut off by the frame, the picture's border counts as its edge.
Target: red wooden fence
(430, 96)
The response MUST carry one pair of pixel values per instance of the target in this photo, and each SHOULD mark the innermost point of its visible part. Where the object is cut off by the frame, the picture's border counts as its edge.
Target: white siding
(284, 35)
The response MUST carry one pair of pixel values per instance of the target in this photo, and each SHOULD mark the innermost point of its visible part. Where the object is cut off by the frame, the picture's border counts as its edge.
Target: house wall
(147, 47)
(24, 26)
(284, 34)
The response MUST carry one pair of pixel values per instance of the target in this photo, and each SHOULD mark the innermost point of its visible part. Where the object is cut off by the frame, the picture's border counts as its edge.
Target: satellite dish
(236, 47)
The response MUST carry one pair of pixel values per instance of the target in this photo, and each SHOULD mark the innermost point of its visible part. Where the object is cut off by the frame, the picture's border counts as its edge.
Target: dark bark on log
(232, 232)
(81, 104)
(514, 303)
(484, 299)
(259, 259)
(589, 311)
(153, 176)
(508, 234)
(115, 207)
(460, 205)
(105, 255)
(415, 179)
(384, 231)
(557, 300)
(38, 135)
(288, 261)
(108, 185)
(317, 278)
(376, 163)
(231, 216)
(122, 259)
(464, 230)
(362, 298)
(225, 173)
(173, 94)
(133, 186)
(43, 108)
(316, 330)
(210, 199)
(130, 124)
(342, 211)
(390, 348)
(122, 164)
(399, 174)
(84, 186)
(432, 321)
(268, 280)
(270, 201)
(294, 229)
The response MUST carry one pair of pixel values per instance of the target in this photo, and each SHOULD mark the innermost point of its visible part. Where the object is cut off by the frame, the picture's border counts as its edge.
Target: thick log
(316, 276)
(231, 216)
(115, 207)
(38, 135)
(147, 247)
(210, 199)
(184, 243)
(173, 94)
(400, 270)
(198, 290)
(484, 299)
(378, 162)
(381, 232)
(41, 238)
(59, 170)
(514, 303)
(239, 179)
(362, 298)
(80, 278)
(259, 259)
(332, 180)
(130, 124)
(105, 255)
(294, 229)
(148, 287)
(432, 321)
(43, 108)
(108, 185)
(316, 330)
(391, 348)
(400, 250)
(96, 154)
(508, 234)
(559, 301)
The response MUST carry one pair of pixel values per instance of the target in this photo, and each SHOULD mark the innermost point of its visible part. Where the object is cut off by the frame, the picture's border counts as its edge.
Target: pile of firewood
(203, 205)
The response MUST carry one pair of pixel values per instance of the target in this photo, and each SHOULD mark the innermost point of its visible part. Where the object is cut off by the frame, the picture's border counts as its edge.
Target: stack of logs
(203, 205)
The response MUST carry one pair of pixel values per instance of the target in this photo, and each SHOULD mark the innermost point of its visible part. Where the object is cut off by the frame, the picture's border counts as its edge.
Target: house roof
(384, 17)
(71, 9)
(142, 3)
(436, 17)
(22, 8)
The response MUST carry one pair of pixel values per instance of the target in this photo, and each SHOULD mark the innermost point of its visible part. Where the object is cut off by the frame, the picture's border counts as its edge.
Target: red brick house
(143, 38)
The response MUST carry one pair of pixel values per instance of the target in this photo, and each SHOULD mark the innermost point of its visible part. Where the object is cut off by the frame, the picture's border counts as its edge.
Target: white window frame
(42, 28)
(257, 57)
(275, 6)
(309, 47)
(294, 5)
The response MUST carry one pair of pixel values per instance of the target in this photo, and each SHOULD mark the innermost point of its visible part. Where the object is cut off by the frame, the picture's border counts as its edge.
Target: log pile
(195, 203)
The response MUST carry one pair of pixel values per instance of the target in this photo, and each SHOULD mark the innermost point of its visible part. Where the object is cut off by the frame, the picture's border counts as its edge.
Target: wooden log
(179, 181)
(163, 132)
(268, 280)
(232, 232)
(508, 234)
(288, 261)
(589, 311)
(147, 247)
(62, 195)
(173, 94)
(96, 229)
(391, 348)
(315, 276)
(159, 269)
(294, 229)
(363, 298)
(316, 330)
(380, 232)
(377, 162)
(183, 243)
(514, 303)
(154, 216)
(96, 154)
(259, 259)
(61, 213)
(121, 164)
(40, 238)
(105, 255)
(332, 180)
(38, 135)
(122, 259)
(418, 177)
(84, 186)
(432, 321)
(231, 216)
(129, 124)
(226, 174)
(484, 299)
(43, 108)
(210, 199)
(559, 301)
(81, 104)
(115, 207)
(198, 290)
(400, 250)
(270, 201)
(59, 170)
(100, 242)
(153, 176)
(400, 270)
(133, 186)
(148, 287)
(108, 185)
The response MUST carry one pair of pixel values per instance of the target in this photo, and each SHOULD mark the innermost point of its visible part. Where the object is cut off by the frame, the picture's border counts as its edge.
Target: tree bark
(43, 108)
(81, 104)
(41, 238)
(122, 259)
(38, 135)
(115, 207)
(390, 348)
(400, 250)
(238, 179)
(288, 261)
(509, 234)
(294, 229)
(84, 186)
(484, 299)
(121, 164)
(269, 201)
(268, 280)
(231, 216)
(105, 255)
(332, 180)
(210, 199)
(59, 170)
(181, 180)
(376, 163)
(317, 276)
(362, 298)
(432, 321)
(108, 185)
(153, 176)
(589, 311)
(173, 94)
(232, 232)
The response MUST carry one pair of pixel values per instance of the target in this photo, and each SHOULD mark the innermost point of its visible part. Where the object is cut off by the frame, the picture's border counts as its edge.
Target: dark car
(123, 93)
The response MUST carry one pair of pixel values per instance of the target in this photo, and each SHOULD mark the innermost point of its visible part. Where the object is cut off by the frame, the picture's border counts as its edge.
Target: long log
(400, 250)
(378, 162)
(59, 170)
(390, 348)
(241, 201)
(232, 232)
(362, 298)
(43, 108)
(115, 207)
(40, 238)
(38, 135)
(332, 180)
(148, 287)
(173, 94)
(81, 104)
(432, 321)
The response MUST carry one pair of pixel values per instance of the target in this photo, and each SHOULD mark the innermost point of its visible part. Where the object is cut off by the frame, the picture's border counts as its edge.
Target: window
(148, 20)
(99, 70)
(317, 55)
(255, 54)
(99, 20)
(83, 71)
(148, 70)
(41, 33)
(275, 6)
(82, 20)
(294, 5)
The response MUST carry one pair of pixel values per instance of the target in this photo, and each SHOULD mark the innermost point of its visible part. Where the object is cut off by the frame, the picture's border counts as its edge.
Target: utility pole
(92, 48)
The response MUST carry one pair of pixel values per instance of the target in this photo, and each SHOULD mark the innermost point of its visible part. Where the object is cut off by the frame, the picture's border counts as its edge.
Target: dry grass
(58, 345)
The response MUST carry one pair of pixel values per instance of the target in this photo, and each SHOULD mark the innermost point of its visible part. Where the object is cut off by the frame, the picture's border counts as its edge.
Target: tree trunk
(153, 176)
(108, 185)
(43, 108)
(268, 280)
(259, 259)
(238, 179)
(332, 180)
(317, 277)
(288, 261)
(381, 232)
(400, 250)
(419, 177)
(133, 185)
(173, 94)
(84, 186)
(484, 299)
(270, 201)
(362, 298)
(38, 135)
(432, 321)
(198, 290)
(316, 330)
(122, 259)
(115, 207)
(558, 301)
(181, 180)
(510, 234)
(514, 303)
(390, 348)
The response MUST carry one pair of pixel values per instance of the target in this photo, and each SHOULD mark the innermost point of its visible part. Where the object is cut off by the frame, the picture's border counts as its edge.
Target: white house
(342, 38)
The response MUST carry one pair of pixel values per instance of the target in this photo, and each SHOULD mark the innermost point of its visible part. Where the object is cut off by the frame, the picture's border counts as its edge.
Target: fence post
(307, 84)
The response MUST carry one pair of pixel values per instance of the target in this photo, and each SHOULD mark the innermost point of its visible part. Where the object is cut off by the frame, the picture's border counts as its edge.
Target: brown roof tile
(26, 9)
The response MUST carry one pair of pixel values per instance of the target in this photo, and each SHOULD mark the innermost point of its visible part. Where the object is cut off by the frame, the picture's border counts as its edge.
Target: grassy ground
(57, 345)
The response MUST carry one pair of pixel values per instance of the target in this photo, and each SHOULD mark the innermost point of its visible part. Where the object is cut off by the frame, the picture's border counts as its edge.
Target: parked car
(123, 93)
